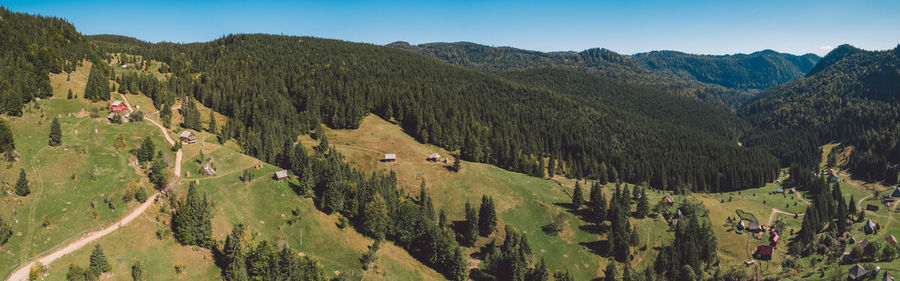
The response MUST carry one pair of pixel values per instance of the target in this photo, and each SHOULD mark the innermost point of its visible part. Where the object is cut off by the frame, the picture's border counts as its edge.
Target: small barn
(208, 169)
(764, 252)
(872, 208)
(896, 192)
(434, 157)
(281, 175)
(669, 199)
(117, 107)
(775, 238)
(887, 276)
(856, 273)
(390, 157)
(187, 137)
(890, 239)
(754, 227)
(741, 225)
(869, 227)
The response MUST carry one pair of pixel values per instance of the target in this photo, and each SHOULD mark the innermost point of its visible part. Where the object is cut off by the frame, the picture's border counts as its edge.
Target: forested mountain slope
(276, 87)
(854, 98)
(756, 71)
(31, 47)
(601, 62)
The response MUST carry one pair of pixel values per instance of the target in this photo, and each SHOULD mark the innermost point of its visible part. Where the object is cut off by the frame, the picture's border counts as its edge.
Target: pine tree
(6, 137)
(643, 205)
(323, 144)
(551, 166)
(375, 217)
(191, 222)
(598, 204)
(456, 164)
(442, 219)
(212, 122)
(851, 206)
(55, 133)
(540, 272)
(577, 197)
(5, 232)
(541, 167)
(99, 264)
(137, 271)
(235, 256)
(22, 186)
(69, 95)
(146, 151)
(470, 234)
(425, 201)
(487, 216)
(610, 273)
(157, 174)
(165, 114)
(191, 116)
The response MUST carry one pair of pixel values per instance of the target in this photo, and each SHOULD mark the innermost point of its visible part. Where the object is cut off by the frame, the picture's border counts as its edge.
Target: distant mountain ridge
(598, 61)
(751, 72)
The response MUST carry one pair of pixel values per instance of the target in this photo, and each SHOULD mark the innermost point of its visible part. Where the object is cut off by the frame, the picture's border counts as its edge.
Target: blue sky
(703, 27)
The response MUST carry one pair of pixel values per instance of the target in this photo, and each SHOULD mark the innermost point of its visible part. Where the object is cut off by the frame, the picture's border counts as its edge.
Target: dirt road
(21, 274)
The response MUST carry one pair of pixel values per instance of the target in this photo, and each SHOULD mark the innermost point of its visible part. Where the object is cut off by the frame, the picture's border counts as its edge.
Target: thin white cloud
(826, 48)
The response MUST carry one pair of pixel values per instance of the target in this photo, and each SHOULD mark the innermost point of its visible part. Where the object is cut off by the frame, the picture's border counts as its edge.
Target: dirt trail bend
(21, 274)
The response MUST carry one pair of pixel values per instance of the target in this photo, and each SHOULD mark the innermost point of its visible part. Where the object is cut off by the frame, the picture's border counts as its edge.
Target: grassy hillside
(265, 206)
(69, 183)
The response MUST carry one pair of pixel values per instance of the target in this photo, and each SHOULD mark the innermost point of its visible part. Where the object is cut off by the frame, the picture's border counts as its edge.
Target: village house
(208, 169)
(890, 239)
(117, 107)
(896, 192)
(754, 227)
(281, 175)
(434, 157)
(872, 208)
(764, 252)
(856, 273)
(187, 137)
(390, 157)
(669, 199)
(775, 238)
(887, 277)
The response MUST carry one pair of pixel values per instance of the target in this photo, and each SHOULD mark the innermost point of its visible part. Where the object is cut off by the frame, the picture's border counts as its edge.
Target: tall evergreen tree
(99, 264)
(643, 205)
(5, 232)
(6, 136)
(375, 217)
(191, 222)
(235, 255)
(487, 216)
(213, 129)
(611, 274)
(137, 271)
(577, 197)
(598, 203)
(55, 133)
(470, 232)
(22, 186)
(146, 151)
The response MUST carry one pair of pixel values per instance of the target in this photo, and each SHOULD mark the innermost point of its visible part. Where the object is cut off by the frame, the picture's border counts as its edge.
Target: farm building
(208, 169)
(863, 243)
(434, 157)
(764, 252)
(741, 225)
(669, 199)
(754, 227)
(390, 157)
(890, 239)
(117, 107)
(281, 175)
(856, 273)
(870, 227)
(896, 192)
(887, 276)
(872, 208)
(793, 190)
(775, 238)
(779, 190)
(187, 137)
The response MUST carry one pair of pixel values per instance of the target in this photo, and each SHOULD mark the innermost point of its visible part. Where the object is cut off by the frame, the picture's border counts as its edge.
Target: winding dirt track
(21, 274)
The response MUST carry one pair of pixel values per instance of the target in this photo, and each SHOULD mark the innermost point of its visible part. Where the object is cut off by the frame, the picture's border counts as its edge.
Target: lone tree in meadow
(146, 151)
(6, 137)
(99, 264)
(212, 122)
(137, 271)
(55, 133)
(487, 216)
(22, 187)
(5, 231)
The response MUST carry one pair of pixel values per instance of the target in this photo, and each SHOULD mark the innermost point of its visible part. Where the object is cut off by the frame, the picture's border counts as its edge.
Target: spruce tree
(598, 205)
(99, 264)
(323, 144)
(22, 186)
(234, 256)
(5, 232)
(457, 166)
(442, 219)
(470, 234)
(137, 271)
(55, 133)
(577, 197)
(851, 206)
(375, 217)
(643, 205)
(69, 95)
(551, 166)
(610, 273)
(487, 216)
(191, 222)
(212, 122)
(146, 151)
(6, 137)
